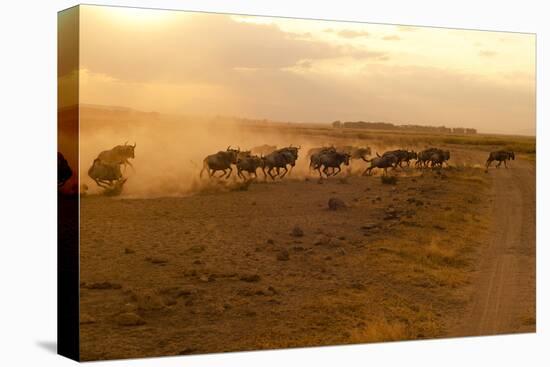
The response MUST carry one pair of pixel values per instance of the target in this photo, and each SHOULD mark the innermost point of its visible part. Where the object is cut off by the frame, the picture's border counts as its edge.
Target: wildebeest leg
(337, 172)
(285, 172)
(229, 174)
(100, 183)
(127, 162)
(319, 170)
(505, 163)
(499, 163)
(270, 174)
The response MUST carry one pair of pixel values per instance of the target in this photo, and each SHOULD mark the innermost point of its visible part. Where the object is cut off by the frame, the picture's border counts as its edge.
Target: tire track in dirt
(503, 297)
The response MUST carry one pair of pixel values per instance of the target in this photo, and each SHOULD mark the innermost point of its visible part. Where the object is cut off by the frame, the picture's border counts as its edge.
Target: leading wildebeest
(118, 155)
(383, 162)
(106, 175)
(220, 161)
(64, 171)
(332, 160)
(248, 164)
(500, 156)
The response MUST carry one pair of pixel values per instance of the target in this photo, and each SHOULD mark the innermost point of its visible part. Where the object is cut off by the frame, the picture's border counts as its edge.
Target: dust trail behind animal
(170, 149)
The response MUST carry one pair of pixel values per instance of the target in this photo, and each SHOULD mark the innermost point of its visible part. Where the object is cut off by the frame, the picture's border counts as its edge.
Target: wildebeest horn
(228, 147)
(378, 155)
(238, 148)
(134, 145)
(126, 143)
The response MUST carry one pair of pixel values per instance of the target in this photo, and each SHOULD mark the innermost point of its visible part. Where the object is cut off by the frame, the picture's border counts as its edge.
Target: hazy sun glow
(135, 15)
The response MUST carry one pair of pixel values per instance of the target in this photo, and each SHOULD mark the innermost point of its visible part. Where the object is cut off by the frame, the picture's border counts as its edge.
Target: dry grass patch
(380, 331)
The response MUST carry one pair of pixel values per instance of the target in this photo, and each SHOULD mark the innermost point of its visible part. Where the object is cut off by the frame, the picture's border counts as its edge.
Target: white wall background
(27, 182)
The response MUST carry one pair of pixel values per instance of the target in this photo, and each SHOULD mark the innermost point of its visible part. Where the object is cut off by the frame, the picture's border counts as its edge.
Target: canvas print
(241, 183)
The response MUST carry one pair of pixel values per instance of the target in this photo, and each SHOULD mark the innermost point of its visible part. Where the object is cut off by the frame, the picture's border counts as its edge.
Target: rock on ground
(336, 203)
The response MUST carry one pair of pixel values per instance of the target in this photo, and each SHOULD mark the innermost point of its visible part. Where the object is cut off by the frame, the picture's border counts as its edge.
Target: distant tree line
(390, 126)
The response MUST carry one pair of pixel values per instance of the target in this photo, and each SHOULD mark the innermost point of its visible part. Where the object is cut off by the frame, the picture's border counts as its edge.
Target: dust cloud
(170, 150)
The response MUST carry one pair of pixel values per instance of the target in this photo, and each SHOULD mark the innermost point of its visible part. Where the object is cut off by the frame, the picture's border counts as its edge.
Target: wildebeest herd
(327, 161)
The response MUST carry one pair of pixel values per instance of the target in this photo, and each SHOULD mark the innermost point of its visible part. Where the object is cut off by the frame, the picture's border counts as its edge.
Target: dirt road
(503, 299)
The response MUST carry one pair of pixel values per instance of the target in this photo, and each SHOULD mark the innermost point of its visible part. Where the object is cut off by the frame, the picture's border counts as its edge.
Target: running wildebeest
(278, 159)
(293, 151)
(315, 153)
(500, 156)
(402, 156)
(64, 171)
(263, 149)
(423, 157)
(332, 160)
(248, 164)
(439, 157)
(220, 161)
(118, 155)
(106, 175)
(383, 162)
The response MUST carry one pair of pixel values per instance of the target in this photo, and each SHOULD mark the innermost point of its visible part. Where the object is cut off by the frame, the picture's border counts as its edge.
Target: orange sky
(306, 70)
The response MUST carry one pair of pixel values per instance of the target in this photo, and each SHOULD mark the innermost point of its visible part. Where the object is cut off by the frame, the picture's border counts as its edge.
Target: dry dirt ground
(437, 254)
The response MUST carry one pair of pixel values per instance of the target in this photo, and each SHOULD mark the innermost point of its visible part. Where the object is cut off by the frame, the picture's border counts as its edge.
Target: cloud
(487, 53)
(348, 33)
(213, 64)
(392, 37)
(305, 64)
(200, 48)
(365, 54)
